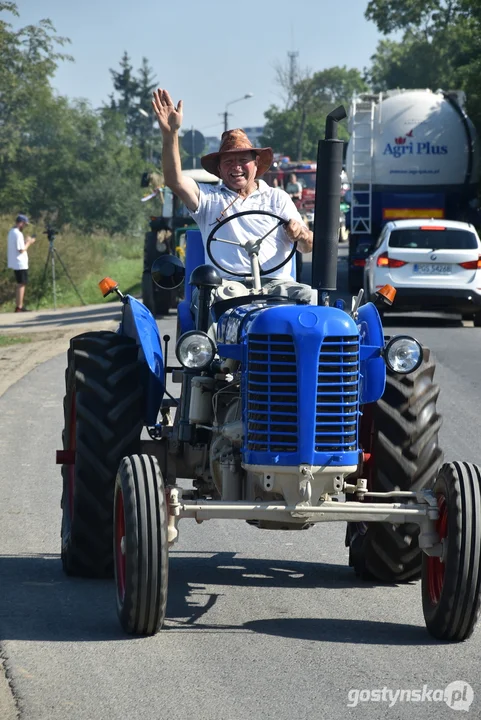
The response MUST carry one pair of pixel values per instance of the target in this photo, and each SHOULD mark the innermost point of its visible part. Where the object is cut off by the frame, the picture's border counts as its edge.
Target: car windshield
(442, 239)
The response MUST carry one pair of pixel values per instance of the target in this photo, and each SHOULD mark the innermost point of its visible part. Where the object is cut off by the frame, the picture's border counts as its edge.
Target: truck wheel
(451, 586)
(148, 294)
(477, 320)
(157, 301)
(103, 422)
(162, 301)
(405, 455)
(140, 545)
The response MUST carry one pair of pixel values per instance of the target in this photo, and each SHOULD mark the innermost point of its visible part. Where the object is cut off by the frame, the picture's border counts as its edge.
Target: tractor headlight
(195, 349)
(403, 354)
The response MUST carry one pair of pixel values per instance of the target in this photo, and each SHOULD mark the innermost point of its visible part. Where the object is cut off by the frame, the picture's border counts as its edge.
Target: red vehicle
(306, 175)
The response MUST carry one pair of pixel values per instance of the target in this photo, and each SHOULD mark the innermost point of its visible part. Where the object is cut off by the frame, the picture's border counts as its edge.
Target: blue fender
(139, 324)
(373, 367)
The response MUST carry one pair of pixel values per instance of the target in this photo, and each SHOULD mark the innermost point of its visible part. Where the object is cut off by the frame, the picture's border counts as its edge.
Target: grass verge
(6, 340)
(81, 261)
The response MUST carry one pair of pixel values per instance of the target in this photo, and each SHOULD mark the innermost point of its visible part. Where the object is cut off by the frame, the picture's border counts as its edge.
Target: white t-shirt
(17, 260)
(214, 199)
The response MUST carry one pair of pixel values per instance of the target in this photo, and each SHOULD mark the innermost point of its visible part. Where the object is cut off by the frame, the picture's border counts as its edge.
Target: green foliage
(134, 103)
(60, 160)
(126, 85)
(296, 130)
(6, 340)
(413, 63)
(428, 16)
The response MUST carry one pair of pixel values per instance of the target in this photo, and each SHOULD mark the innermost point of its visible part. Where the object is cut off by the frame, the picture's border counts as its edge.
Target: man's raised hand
(168, 116)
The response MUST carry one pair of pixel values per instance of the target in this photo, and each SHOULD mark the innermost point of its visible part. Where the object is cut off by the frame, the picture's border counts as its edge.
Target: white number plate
(432, 269)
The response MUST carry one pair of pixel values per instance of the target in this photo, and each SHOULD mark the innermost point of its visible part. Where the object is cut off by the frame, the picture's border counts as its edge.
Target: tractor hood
(300, 321)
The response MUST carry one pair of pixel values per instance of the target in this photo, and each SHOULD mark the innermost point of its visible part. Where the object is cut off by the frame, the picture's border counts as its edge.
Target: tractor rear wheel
(451, 584)
(405, 455)
(103, 422)
(141, 545)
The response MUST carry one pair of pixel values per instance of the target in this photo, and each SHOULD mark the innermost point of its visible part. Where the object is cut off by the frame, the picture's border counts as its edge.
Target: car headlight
(195, 349)
(403, 354)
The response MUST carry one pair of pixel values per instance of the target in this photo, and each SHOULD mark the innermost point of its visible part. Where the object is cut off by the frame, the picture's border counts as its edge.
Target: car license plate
(432, 269)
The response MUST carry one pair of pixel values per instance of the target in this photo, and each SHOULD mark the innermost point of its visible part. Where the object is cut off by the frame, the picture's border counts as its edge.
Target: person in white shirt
(239, 165)
(17, 257)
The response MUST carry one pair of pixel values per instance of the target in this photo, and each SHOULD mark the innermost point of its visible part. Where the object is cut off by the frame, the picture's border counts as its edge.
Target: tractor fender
(139, 324)
(372, 365)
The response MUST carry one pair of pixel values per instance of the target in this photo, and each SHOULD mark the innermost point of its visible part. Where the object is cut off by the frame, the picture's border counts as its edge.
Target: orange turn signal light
(107, 286)
(388, 293)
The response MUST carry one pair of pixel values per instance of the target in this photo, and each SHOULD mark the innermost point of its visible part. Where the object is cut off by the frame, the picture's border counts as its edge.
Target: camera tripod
(52, 254)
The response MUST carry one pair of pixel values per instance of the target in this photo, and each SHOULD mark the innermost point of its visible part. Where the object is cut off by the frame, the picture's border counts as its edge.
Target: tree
(60, 159)
(412, 63)
(440, 47)
(427, 17)
(127, 86)
(296, 130)
(134, 101)
(145, 129)
(28, 60)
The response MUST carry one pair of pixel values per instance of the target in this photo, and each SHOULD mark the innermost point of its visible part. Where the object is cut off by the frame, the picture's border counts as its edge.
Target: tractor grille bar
(272, 405)
(337, 394)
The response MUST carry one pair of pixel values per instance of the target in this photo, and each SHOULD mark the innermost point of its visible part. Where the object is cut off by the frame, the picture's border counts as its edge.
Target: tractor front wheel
(141, 545)
(451, 584)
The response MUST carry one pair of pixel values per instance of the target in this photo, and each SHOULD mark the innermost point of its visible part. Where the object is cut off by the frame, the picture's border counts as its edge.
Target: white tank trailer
(412, 153)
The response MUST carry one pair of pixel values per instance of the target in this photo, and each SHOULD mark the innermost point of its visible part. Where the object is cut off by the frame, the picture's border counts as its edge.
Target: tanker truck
(411, 154)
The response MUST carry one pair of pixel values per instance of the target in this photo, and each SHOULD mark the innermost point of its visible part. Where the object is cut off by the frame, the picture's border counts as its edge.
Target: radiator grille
(337, 395)
(272, 402)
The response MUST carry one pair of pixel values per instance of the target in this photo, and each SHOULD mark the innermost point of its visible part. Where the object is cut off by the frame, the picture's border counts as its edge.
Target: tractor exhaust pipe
(327, 208)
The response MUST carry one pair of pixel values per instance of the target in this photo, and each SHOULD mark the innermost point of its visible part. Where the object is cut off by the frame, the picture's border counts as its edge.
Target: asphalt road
(259, 624)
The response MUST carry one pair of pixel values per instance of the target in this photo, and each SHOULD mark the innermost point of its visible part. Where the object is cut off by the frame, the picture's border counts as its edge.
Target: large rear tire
(103, 422)
(405, 455)
(140, 545)
(451, 586)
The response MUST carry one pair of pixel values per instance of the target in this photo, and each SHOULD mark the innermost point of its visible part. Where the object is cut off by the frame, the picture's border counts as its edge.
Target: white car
(433, 264)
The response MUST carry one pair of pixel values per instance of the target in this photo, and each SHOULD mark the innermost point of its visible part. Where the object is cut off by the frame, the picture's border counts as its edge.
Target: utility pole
(292, 55)
(226, 114)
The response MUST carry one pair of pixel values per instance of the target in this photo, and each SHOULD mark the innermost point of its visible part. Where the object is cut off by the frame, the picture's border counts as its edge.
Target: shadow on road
(39, 603)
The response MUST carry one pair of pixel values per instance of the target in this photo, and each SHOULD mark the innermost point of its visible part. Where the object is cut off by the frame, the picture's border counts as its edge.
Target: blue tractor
(284, 410)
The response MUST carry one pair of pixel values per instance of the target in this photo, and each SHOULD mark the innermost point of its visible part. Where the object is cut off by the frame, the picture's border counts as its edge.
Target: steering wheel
(226, 220)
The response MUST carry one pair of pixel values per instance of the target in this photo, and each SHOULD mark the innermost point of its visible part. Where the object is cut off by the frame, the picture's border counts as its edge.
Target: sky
(206, 53)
